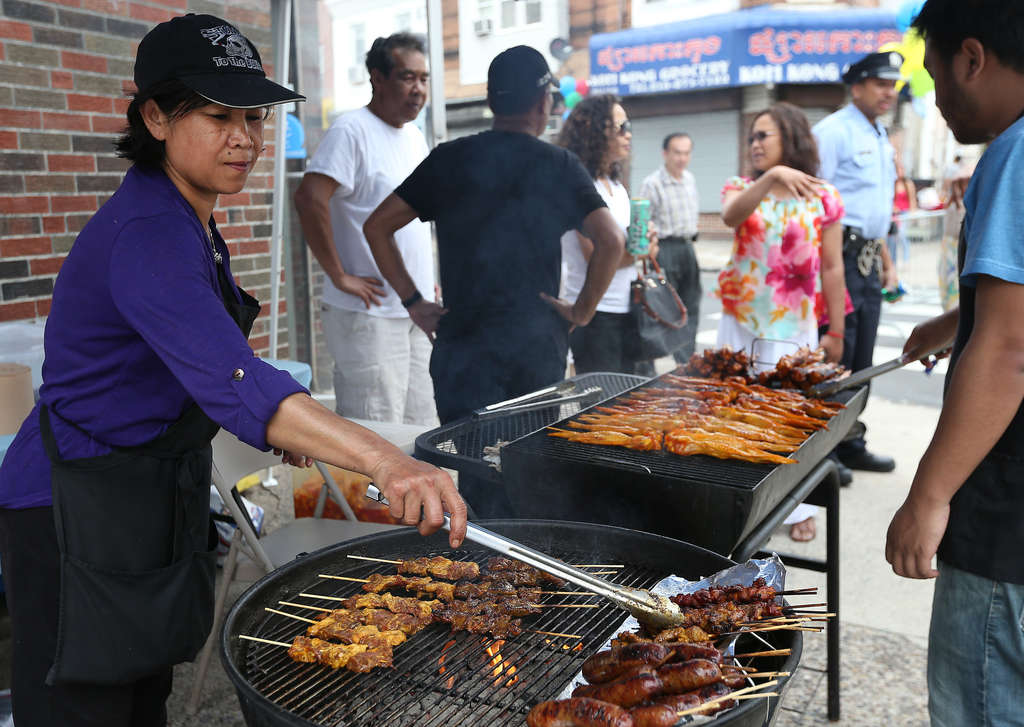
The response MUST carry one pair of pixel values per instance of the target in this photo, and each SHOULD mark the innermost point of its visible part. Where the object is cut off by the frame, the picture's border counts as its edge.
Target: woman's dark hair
(136, 143)
(799, 149)
(996, 24)
(585, 134)
(379, 55)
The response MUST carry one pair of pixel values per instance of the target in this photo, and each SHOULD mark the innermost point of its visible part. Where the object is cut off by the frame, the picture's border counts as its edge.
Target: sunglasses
(624, 128)
(759, 136)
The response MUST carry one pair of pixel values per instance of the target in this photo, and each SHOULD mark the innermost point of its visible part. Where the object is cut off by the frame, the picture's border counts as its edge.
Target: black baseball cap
(514, 78)
(875, 65)
(210, 56)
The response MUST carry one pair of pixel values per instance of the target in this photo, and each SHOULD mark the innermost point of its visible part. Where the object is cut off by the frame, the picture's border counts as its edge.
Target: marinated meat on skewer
(395, 604)
(719, 363)
(370, 635)
(720, 618)
(420, 584)
(342, 619)
(440, 567)
(495, 589)
(698, 441)
(505, 607)
(368, 660)
(500, 626)
(316, 651)
(499, 565)
(757, 591)
(684, 635)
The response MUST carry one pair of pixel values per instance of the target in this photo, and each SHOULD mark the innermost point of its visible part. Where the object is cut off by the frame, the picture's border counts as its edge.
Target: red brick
(16, 30)
(17, 311)
(110, 7)
(121, 106)
(61, 79)
(83, 61)
(3, 53)
(23, 205)
(241, 199)
(257, 247)
(220, 216)
(233, 248)
(83, 102)
(154, 15)
(82, 203)
(248, 17)
(260, 343)
(19, 247)
(176, 4)
(109, 124)
(8, 140)
(19, 226)
(71, 163)
(53, 224)
(128, 87)
(69, 3)
(20, 119)
(43, 307)
(46, 265)
(68, 122)
(236, 232)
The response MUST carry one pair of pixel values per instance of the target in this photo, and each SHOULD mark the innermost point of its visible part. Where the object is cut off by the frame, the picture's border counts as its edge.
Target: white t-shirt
(616, 299)
(369, 158)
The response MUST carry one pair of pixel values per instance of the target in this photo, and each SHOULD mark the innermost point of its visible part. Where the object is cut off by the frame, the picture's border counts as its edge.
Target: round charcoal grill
(440, 678)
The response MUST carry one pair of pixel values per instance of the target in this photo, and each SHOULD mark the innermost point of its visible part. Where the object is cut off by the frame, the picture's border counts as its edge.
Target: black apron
(986, 528)
(137, 546)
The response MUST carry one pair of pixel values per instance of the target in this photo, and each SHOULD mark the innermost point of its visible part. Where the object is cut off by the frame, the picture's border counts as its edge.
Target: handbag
(659, 316)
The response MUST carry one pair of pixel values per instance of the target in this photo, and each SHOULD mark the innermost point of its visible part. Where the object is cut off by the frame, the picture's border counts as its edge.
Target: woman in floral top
(786, 269)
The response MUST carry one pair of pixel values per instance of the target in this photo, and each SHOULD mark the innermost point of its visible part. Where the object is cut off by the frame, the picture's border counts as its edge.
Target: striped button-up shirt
(674, 203)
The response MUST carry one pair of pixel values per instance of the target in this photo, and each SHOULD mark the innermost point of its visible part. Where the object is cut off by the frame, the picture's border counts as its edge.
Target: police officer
(857, 158)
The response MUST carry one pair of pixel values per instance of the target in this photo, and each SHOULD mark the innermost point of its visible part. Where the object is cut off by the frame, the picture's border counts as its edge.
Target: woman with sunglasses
(598, 132)
(786, 268)
(105, 491)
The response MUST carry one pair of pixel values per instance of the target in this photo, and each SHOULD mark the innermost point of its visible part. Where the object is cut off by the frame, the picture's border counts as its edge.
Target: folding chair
(251, 556)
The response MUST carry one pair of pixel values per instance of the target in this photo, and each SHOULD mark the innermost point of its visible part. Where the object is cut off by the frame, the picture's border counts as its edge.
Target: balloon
(567, 85)
(921, 83)
(912, 50)
(907, 12)
(582, 87)
(572, 99)
(565, 114)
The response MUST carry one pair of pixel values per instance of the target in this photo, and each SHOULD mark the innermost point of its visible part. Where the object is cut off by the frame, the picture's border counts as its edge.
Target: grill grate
(437, 674)
(460, 445)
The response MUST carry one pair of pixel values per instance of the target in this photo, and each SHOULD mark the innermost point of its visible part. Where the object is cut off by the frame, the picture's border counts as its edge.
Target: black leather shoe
(845, 474)
(865, 460)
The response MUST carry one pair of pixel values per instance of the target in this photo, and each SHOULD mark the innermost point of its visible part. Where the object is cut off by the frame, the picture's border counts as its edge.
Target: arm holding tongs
(645, 606)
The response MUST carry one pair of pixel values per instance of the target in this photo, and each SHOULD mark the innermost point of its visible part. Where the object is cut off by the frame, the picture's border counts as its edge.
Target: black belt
(678, 238)
(865, 251)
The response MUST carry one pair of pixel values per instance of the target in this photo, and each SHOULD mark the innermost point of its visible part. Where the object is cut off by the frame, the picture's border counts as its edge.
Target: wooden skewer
(755, 696)
(570, 605)
(785, 627)
(599, 565)
(378, 560)
(289, 615)
(731, 695)
(798, 591)
(773, 652)
(603, 572)
(304, 605)
(264, 641)
(768, 674)
(567, 593)
(326, 598)
(343, 578)
(805, 605)
(552, 633)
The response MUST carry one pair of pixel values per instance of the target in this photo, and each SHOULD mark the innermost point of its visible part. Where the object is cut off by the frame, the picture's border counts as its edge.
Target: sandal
(803, 531)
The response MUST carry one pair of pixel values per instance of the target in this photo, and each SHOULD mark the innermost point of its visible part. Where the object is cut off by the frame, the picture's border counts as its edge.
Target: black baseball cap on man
(514, 78)
(210, 56)
(875, 65)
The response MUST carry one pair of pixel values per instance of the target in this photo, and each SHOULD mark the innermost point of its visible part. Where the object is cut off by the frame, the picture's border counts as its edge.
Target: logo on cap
(239, 52)
(895, 60)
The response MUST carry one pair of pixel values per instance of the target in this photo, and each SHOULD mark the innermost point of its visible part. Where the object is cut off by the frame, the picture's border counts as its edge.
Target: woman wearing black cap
(104, 494)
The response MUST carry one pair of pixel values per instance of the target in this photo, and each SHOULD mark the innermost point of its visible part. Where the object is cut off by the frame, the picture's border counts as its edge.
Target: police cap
(874, 65)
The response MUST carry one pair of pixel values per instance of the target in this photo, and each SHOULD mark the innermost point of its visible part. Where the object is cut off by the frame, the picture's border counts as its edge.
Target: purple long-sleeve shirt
(137, 332)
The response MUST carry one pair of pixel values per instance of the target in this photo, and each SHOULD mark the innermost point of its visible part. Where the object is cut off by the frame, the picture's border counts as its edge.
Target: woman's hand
(798, 183)
(420, 494)
(833, 347)
(295, 460)
(652, 240)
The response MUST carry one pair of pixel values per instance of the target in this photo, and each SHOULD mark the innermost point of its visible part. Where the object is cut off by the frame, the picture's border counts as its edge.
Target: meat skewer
(354, 657)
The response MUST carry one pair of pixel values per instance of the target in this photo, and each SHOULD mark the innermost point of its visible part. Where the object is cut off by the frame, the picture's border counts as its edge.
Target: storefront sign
(748, 47)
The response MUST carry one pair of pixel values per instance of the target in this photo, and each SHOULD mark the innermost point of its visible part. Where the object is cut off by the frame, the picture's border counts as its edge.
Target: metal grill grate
(437, 674)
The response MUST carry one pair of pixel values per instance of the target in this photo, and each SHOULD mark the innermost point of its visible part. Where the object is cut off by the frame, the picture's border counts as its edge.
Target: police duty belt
(870, 256)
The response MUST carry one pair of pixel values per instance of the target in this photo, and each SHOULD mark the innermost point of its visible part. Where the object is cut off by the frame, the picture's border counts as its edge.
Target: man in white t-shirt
(381, 357)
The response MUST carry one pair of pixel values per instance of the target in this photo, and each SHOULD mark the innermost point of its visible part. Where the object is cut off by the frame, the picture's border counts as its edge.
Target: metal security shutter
(715, 156)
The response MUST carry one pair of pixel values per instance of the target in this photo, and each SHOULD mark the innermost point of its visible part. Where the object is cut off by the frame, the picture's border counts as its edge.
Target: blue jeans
(975, 651)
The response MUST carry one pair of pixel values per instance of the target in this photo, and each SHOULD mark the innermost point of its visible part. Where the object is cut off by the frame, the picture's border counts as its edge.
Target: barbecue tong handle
(640, 603)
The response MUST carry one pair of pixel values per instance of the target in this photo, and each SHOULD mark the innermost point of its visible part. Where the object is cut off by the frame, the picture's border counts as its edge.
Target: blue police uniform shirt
(137, 332)
(993, 222)
(857, 158)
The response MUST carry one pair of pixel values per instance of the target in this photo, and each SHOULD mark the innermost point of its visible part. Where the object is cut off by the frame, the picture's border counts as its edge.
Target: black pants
(679, 261)
(31, 571)
(607, 343)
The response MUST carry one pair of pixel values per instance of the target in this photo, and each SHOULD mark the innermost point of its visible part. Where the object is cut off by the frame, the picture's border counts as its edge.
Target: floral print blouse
(772, 283)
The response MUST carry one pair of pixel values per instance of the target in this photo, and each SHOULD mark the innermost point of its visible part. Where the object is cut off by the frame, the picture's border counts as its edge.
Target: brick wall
(65, 68)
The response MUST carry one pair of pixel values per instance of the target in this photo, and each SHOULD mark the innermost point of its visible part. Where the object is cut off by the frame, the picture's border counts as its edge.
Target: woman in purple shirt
(104, 494)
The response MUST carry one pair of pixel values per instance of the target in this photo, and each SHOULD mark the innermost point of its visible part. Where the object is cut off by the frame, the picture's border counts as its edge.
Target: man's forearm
(315, 220)
(602, 267)
(389, 260)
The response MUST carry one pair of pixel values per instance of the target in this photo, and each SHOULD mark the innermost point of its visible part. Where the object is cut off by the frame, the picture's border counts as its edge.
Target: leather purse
(658, 314)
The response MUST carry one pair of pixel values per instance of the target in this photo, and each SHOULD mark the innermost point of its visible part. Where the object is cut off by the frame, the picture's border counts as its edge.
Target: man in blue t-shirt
(967, 499)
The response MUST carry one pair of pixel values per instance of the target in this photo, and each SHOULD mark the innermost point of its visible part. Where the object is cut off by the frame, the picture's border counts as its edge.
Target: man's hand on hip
(368, 289)
(427, 315)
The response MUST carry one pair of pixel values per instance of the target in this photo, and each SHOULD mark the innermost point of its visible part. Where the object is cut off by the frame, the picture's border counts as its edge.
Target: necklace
(217, 257)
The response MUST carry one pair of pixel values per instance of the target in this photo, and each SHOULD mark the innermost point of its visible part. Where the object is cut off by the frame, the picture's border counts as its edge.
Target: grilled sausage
(690, 675)
(654, 715)
(578, 712)
(605, 666)
(623, 692)
(689, 700)
(685, 652)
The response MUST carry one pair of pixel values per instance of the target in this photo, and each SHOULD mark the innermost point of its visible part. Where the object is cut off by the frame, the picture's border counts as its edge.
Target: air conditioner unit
(357, 75)
(483, 26)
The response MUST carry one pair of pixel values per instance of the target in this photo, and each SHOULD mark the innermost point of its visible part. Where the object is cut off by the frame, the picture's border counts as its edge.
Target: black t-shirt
(501, 202)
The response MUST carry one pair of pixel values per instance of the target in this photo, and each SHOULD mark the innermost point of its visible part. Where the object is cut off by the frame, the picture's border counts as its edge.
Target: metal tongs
(648, 608)
(827, 388)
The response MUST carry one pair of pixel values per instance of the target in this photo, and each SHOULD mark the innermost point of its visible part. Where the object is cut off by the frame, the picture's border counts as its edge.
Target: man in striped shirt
(672, 190)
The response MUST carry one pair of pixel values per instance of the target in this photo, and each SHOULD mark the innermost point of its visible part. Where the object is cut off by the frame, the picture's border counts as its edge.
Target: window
(508, 13)
(358, 44)
(485, 9)
(515, 13)
(532, 11)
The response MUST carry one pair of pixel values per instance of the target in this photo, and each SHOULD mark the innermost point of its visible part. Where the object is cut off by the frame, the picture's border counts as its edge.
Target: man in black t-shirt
(501, 201)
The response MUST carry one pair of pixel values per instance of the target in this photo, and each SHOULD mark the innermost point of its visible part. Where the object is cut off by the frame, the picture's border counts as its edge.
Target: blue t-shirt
(993, 222)
(137, 332)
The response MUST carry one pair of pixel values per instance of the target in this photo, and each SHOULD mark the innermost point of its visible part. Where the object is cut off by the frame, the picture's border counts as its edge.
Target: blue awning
(742, 48)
